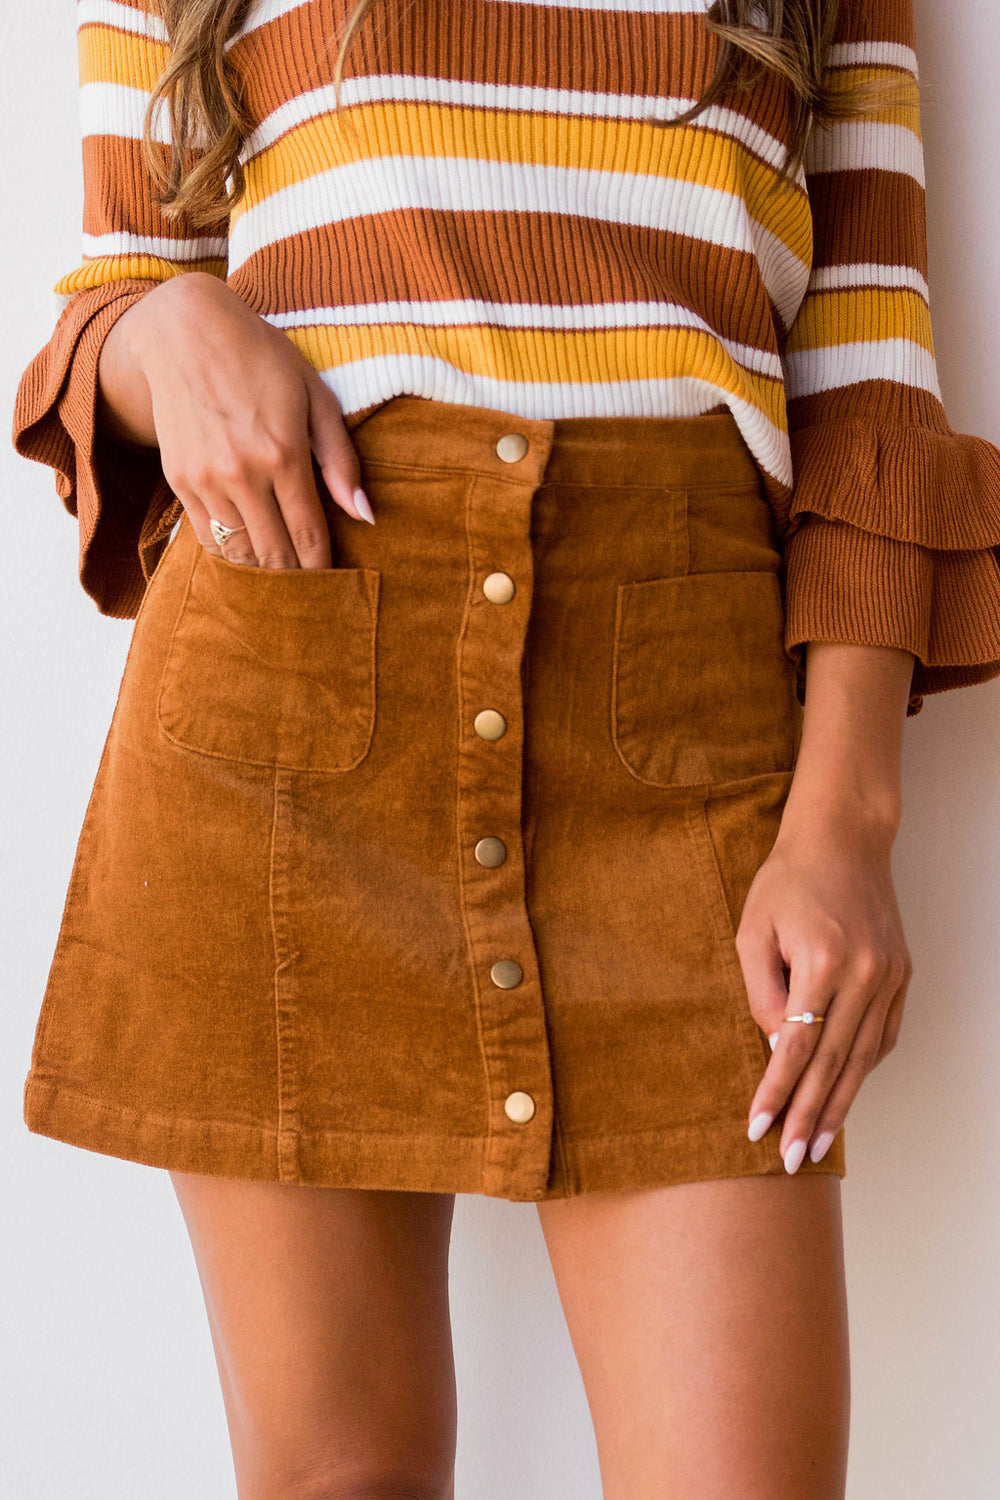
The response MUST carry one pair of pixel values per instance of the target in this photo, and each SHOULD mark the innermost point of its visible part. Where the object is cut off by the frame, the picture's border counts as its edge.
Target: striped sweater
(493, 216)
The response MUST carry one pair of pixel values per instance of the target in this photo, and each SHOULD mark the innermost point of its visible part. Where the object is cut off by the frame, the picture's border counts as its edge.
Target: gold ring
(222, 533)
(808, 1016)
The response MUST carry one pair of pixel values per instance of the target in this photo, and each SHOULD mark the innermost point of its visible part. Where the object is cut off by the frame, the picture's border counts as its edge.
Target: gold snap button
(512, 447)
(519, 1107)
(491, 852)
(498, 588)
(506, 973)
(489, 724)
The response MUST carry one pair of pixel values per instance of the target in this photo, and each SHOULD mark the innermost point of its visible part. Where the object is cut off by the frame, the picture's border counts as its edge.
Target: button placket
(503, 957)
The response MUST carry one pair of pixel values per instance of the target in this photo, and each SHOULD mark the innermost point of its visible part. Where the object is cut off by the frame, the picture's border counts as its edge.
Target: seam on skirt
(287, 1119)
(460, 730)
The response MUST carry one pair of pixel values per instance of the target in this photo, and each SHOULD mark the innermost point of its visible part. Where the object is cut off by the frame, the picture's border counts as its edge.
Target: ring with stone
(808, 1016)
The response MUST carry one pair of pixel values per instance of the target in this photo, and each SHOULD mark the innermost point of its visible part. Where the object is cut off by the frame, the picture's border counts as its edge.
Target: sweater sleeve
(894, 534)
(118, 493)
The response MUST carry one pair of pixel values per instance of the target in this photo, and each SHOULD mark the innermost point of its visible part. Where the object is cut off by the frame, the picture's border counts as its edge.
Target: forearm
(849, 761)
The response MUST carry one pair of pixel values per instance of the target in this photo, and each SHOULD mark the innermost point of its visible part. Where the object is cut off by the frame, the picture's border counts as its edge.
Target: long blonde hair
(203, 177)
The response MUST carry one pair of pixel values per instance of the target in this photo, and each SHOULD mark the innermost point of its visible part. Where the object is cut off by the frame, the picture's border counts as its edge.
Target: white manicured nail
(361, 504)
(773, 1039)
(794, 1155)
(760, 1125)
(821, 1145)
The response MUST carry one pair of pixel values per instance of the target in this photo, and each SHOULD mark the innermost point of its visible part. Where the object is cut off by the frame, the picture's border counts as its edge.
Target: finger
(303, 514)
(840, 1064)
(335, 453)
(893, 1021)
(834, 1111)
(217, 488)
(198, 516)
(239, 547)
(201, 514)
(265, 541)
(763, 968)
(812, 984)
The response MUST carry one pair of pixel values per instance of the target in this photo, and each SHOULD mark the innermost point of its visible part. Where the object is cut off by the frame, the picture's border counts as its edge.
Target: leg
(329, 1315)
(709, 1320)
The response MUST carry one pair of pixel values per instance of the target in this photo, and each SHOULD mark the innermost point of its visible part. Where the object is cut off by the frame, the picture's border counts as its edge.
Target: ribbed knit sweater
(493, 216)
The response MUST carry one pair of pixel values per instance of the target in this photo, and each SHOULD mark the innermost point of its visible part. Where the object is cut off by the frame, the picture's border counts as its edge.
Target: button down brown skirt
(422, 871)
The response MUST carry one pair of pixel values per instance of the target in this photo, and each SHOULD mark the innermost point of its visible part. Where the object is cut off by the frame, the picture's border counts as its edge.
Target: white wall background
(108, 1389)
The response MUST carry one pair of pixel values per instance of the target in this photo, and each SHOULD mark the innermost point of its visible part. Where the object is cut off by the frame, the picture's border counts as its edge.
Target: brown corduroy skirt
(422, 871)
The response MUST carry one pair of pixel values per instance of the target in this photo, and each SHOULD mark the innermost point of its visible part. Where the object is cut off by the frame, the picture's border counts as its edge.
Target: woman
(545, 417)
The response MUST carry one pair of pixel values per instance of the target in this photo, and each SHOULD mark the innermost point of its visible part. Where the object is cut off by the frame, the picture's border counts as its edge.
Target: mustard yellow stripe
(552, 357)
(861, 315)
(902, 104)
(110, 56)
(105, 269)
(397, 128)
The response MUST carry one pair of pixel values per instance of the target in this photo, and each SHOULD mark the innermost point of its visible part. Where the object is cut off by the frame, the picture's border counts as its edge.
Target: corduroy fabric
(276, 957)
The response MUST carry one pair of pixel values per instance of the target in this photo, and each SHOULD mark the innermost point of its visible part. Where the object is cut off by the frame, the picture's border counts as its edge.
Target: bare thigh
(709, 1321)
(329, 1316)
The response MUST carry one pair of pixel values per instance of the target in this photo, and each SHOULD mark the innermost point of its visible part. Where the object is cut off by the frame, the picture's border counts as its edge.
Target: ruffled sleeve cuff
(895, 541)
(119, 495)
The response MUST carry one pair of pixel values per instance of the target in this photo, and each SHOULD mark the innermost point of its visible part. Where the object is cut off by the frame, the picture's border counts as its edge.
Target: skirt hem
(702, 1151)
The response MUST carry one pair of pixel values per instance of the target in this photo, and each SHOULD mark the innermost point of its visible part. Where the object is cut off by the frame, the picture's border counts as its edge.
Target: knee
(322, 1484)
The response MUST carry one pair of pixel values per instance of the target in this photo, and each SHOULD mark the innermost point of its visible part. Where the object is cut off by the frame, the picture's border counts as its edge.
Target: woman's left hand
(822, 905)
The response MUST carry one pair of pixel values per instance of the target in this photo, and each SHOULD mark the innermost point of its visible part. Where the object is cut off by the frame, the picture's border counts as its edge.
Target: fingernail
(773, 1039)
(759, 1125)
(361, 504)
(794, 1155)
(821, 1145)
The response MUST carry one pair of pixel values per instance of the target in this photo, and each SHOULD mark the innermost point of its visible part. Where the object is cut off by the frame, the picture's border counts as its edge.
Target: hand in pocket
(237, 413)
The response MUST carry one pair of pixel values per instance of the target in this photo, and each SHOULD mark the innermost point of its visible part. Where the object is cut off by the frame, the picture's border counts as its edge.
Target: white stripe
(121, 18)
(96, 247)
(865, 274)
(808, 371)
(784, 276)
(115, 109)
(142, 23)
(873, 54)
(462, 185)
(624, 7)
(521, 98)
(118, 110)
(857, 145)
(522, 315)
(364, 382)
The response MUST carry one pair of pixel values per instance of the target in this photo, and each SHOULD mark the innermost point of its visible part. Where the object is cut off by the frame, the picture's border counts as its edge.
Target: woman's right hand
(237, 413)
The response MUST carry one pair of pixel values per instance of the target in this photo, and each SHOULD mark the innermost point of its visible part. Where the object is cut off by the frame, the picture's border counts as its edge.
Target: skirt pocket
(702, 690)
(273, 666)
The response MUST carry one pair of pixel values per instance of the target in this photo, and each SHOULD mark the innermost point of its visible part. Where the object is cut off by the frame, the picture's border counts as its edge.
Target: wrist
(140, 331)
(812, 807)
